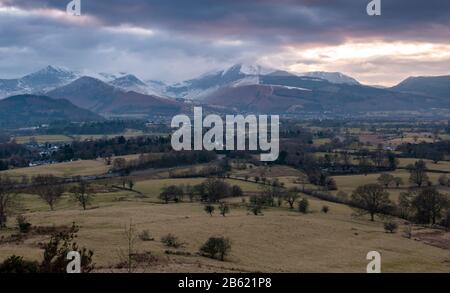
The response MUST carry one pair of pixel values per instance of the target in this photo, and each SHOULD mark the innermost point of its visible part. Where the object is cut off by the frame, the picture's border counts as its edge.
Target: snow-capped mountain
(236, 75)
(41, 81)
(130, 83)
(333, 77)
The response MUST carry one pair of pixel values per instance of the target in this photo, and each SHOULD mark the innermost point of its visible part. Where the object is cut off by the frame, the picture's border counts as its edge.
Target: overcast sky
(173, 40)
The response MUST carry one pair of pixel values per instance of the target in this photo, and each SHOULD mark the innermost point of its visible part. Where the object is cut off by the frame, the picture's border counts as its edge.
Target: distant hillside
(100, 97)
(432, 86)
(298, 94)
(31, 110)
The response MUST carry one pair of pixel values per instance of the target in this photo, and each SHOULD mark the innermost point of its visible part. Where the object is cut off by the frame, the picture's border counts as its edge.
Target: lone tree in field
(430, 205)
(303, 180)
(215, 189)
(7, 197)
(216, 247)
(371, 199)
(386, 179)
(291, 197)
(209, 209)
(418, 173)
(82, 193)
(224, 208)
(130, 184)
(303, 206)
(49, 188)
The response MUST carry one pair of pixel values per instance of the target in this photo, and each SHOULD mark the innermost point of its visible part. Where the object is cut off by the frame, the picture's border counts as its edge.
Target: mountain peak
(249, 69)
(333, 77)
(128, 80)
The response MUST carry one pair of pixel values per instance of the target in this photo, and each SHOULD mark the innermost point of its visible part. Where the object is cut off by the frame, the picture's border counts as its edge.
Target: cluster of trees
(387, 180)
(212, 190)
(91, 128)
(432, 151)
(16, 155)
(49, 188)
(118, 146)
(424, 205)
(167, 160)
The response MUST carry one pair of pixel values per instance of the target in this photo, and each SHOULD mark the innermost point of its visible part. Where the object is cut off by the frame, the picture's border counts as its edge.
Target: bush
(325, 209)
(255, 205)
(303, 206)
(390, 227)
(216, 246)
(24, 226)
(145, 236)
(16, 265)
(55, 253)
(171, 240)
(236, 191)
(209, 209)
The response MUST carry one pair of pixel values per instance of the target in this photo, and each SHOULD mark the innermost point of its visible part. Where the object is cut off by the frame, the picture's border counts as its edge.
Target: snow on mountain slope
(41, 81)
(333, 77)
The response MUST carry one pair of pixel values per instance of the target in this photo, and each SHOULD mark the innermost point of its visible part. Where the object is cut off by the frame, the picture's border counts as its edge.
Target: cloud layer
(177, 39)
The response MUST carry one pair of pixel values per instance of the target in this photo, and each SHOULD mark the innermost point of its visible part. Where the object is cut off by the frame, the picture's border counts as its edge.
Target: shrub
(303, 206)
(16, 265)
(390, 227)
(209, 209)
(171, 240)
(255, 205)
(216, 246)
(24, 226)
(145, 236)
(325, 209)
(55, 253)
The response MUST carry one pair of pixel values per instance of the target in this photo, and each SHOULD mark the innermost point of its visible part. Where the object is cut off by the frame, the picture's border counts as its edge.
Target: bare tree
(127, 256)
(224, 208)
(430, 204)
(371, 199)
(291, 197)
(49, 188)
(82, 193)
(7, 197)
(130, 184)
(385, 179)
(303, 180)
(418, 173)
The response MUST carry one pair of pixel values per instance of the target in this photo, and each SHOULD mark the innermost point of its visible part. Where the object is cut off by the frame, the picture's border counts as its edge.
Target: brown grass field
(280, 240)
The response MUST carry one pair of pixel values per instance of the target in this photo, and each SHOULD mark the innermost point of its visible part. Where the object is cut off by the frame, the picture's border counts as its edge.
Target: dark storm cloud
(164, 37)
(281, 21)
